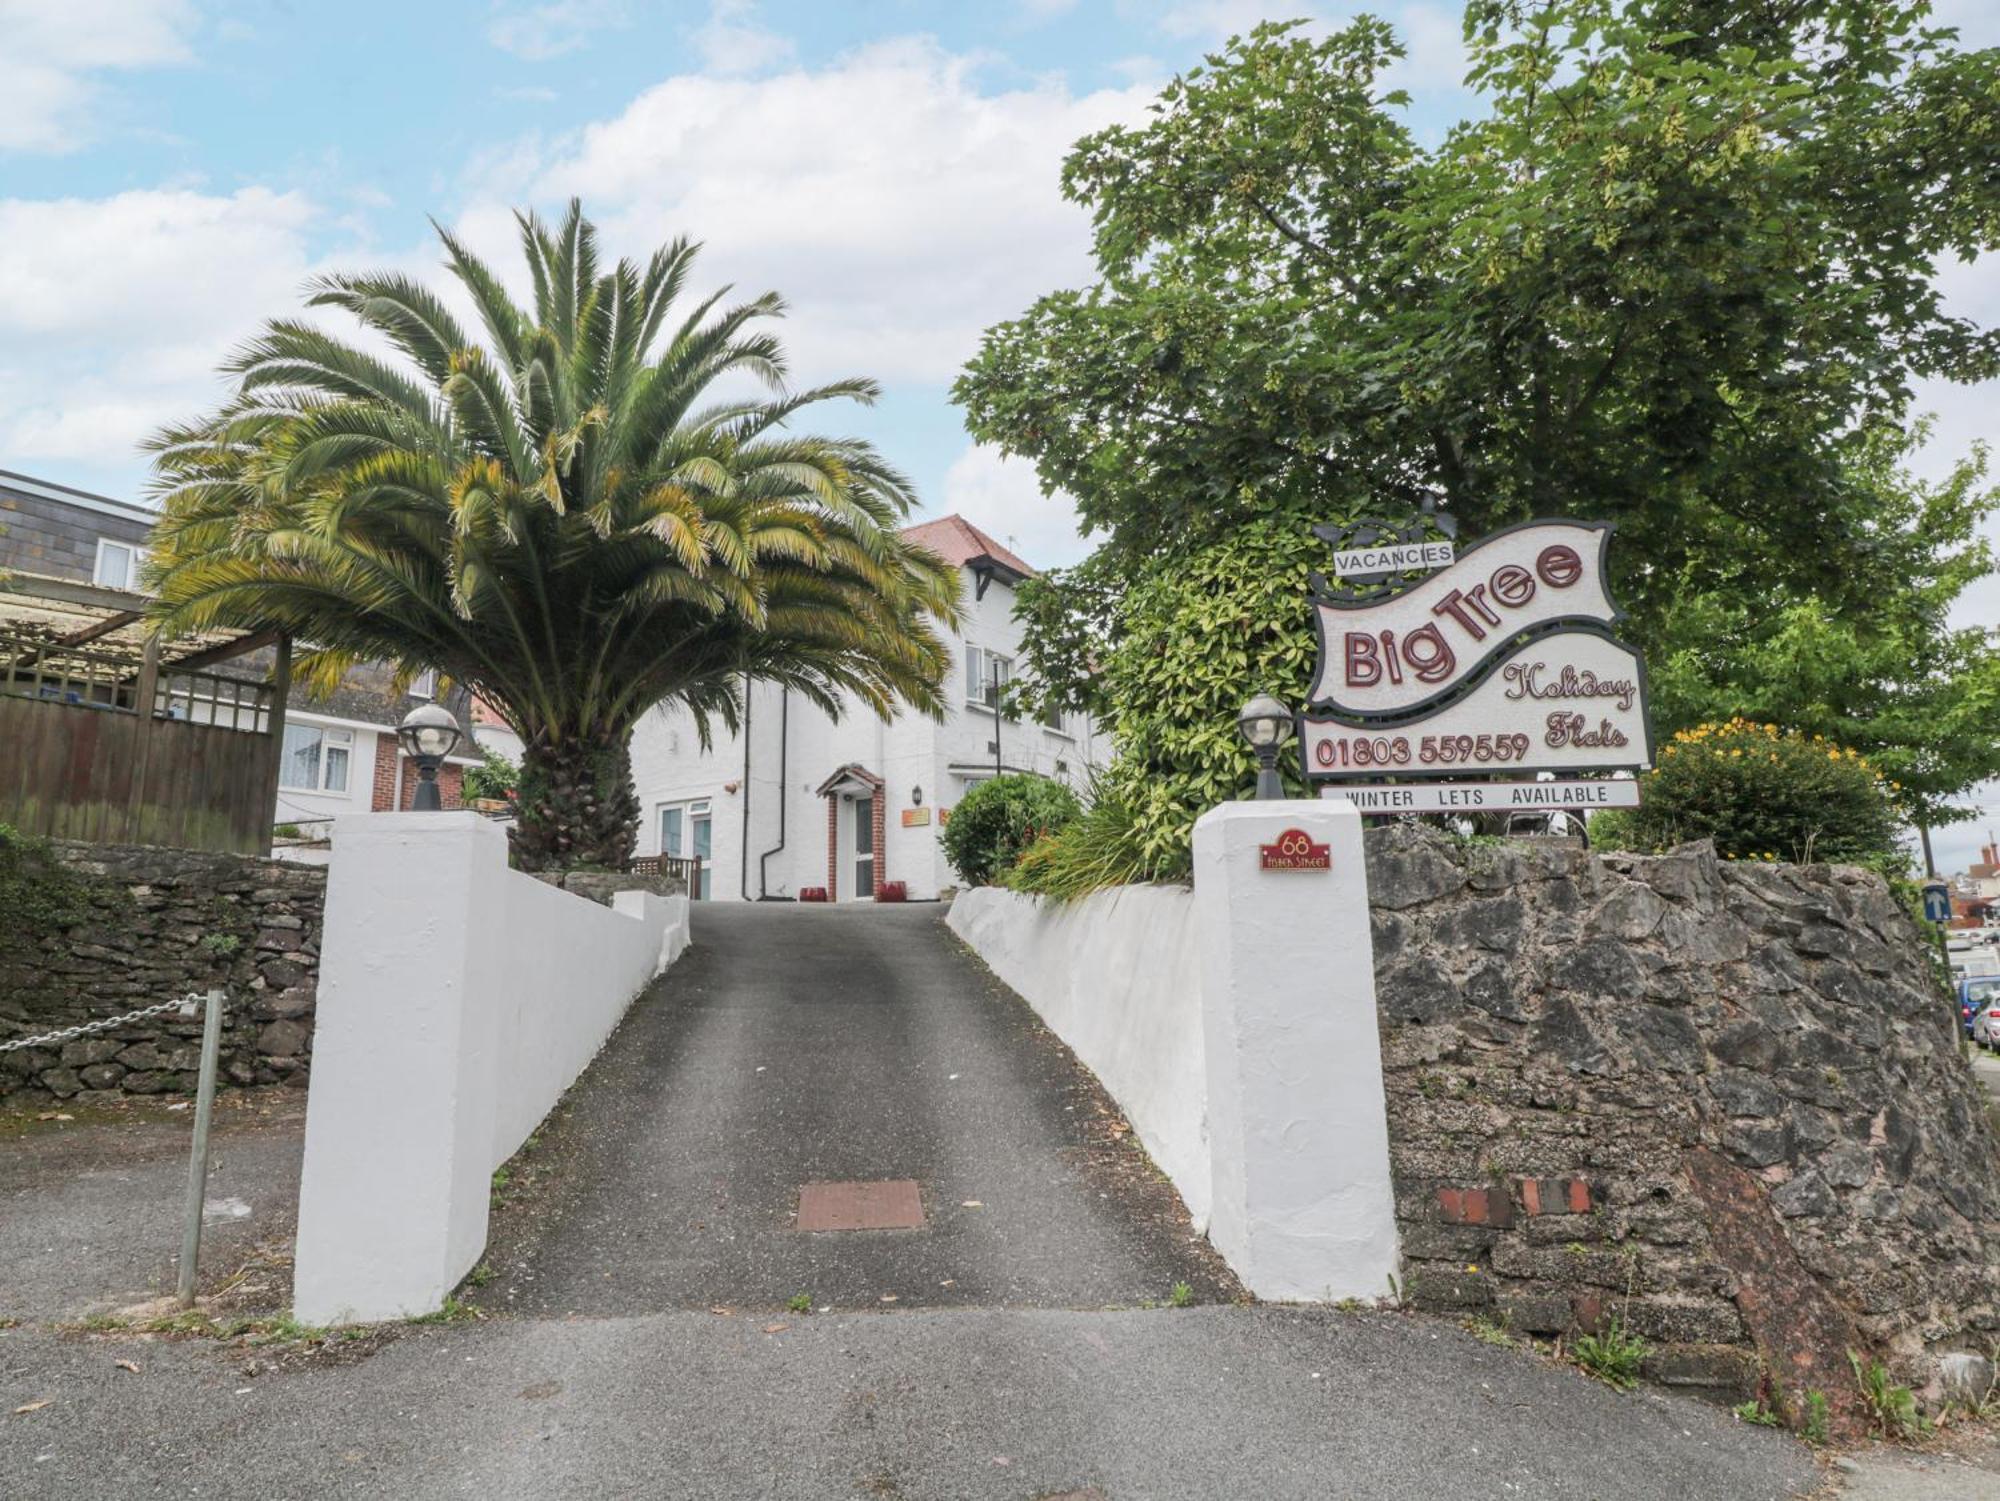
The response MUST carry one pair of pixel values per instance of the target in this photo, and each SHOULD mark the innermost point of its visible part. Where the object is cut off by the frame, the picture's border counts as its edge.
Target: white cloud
(115, 311)
(53, 50)
(1002, 497)
(900, 209)
(733, 45)
(540, 32)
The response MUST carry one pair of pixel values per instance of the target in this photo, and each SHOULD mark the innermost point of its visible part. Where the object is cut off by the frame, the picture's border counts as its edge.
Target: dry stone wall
(1721, 1102)
(154, 924)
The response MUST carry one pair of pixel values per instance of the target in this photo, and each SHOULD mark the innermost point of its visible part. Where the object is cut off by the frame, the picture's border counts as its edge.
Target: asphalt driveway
(797, 1045)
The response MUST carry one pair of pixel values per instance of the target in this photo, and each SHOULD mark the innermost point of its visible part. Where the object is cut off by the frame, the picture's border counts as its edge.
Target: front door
(698, 825)
(864, 847)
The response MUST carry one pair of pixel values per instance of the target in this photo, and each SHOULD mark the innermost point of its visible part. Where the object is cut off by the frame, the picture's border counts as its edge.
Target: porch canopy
(114, 735)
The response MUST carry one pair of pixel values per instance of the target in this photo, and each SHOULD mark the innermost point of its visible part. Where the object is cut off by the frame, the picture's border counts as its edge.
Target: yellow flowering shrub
(1761, 793)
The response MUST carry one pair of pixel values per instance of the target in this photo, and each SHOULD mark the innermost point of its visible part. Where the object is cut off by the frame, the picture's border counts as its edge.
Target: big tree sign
(1503, 662)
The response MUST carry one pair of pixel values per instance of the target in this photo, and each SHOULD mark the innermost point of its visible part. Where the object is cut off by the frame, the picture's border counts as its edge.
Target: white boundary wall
(1236, 1027)
(457, 1000)
(1117, 976)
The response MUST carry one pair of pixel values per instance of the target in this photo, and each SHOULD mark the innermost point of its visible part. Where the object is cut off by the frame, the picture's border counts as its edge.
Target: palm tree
(568, 518)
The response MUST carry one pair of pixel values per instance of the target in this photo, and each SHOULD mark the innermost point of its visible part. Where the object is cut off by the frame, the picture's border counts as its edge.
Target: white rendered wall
(457, 1000)
(910, 752)
(1117, 976)
(1236, 1027)
(1304, 1208)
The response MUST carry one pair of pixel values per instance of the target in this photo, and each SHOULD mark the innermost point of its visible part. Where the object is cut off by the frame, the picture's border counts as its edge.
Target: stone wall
(159, 923)
(1721, 1102)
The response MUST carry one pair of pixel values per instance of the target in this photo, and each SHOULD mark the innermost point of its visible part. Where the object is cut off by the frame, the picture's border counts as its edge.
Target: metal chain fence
(186, 1005)
(211, 1008)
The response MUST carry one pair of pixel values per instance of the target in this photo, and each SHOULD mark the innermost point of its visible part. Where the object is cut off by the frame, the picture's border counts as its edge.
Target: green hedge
(998, 819)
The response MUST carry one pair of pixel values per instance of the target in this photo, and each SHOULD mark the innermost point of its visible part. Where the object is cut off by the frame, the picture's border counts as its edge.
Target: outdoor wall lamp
(429, 733)
(1266, 724)
(917, 796)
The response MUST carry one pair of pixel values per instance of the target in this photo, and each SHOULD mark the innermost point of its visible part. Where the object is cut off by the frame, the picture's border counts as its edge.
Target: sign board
(916, 817)
(1937, 902)
(1573, 700)
(1487, 797)
(1362, 562)
(1501, 663)
(1294, 850)
(1397, 653)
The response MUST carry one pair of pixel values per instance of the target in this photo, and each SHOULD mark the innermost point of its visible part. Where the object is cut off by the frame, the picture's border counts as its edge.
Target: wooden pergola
(112, 734)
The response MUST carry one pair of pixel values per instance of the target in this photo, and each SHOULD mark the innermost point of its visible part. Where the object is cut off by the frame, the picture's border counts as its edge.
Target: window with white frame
(987, 674)
(315, 758)
(117, 564)
(425, 684)
(685, 830)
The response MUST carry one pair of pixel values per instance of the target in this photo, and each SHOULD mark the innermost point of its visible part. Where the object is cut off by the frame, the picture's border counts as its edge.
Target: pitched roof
(958, 541)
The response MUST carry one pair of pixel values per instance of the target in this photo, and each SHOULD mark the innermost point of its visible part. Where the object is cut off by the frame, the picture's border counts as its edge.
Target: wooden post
(137, 800)
(281, 688)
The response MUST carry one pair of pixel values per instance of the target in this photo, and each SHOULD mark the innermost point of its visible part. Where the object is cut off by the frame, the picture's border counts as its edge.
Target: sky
(172, 172)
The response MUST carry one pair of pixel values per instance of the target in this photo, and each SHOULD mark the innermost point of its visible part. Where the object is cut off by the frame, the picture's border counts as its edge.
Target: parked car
(1979, 1006)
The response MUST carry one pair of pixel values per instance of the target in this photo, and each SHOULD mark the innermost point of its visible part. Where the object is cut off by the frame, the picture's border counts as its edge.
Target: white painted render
(1236, 1027)
(457, 1000)
(924, 764)
(1304, 1209)
(1117, 976)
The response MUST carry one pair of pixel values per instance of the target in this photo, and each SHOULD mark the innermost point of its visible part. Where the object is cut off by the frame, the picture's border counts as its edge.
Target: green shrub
(997, 819)
(1761, 793)
(494, 777)
(1104, 847)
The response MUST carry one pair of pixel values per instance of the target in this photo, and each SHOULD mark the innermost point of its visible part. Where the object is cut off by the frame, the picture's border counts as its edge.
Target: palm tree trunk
(577, 805)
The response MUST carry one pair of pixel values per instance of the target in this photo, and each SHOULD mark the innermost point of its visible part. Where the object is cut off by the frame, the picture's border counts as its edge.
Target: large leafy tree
(601, 506)
(1681, 274)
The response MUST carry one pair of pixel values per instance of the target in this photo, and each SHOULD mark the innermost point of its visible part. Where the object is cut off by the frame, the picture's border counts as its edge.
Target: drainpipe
(749, 704)
(784, 791)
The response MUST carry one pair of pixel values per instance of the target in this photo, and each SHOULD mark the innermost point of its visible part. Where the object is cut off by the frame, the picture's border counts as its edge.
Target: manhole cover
(890, 1205)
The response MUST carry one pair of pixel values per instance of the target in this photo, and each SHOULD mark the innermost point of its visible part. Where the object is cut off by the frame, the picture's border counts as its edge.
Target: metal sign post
(204, 1103)
(1937, 912)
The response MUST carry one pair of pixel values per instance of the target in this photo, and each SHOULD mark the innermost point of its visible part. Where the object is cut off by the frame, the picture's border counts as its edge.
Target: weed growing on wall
(38, 894)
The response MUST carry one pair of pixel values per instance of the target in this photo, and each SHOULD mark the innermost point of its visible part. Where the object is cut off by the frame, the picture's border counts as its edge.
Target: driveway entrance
(846, 1053)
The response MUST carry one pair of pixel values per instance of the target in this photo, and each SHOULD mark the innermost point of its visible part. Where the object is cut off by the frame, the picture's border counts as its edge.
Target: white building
(799, 800)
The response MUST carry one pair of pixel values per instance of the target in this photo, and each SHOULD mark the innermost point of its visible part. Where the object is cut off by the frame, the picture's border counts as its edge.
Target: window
(315, 758)
(1052, 719)
(117, 564)
(425, 685)
(983, 669)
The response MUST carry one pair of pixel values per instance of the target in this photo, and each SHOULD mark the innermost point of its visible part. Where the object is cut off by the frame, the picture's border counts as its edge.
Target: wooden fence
(96, 749)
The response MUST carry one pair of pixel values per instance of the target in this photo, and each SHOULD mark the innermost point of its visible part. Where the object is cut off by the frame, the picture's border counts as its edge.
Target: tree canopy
(1676, 275)
(600, 506)
(1680, 275)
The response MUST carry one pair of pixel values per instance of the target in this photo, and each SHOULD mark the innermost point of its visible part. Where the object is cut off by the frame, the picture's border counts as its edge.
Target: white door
(863, 845)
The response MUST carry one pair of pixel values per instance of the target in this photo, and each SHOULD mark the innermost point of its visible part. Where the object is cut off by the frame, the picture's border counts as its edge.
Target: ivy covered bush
(998, 819)
(1180, 652)
(1761, 793)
